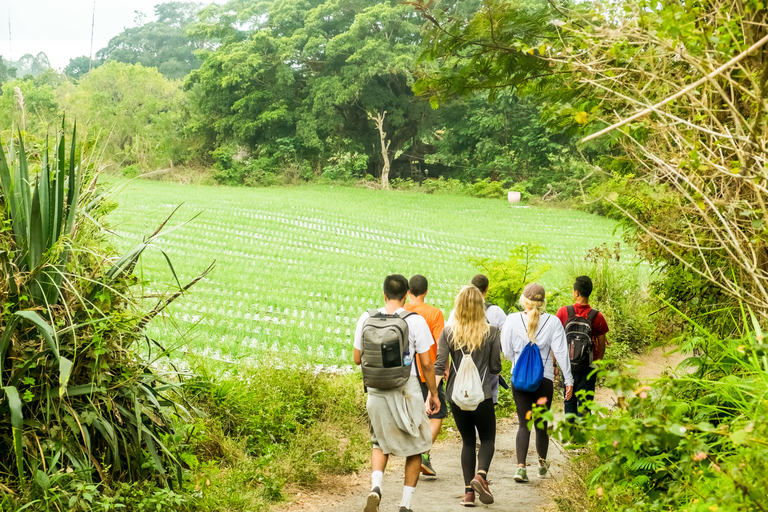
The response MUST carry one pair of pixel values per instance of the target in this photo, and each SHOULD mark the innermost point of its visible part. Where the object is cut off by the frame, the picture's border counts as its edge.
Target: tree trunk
(379, 120)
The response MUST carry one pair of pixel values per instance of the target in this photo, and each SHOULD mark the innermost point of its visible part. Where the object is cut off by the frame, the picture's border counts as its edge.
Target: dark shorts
(443, 412)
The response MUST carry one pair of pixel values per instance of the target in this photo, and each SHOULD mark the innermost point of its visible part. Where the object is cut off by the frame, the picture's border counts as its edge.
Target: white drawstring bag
(467, 388)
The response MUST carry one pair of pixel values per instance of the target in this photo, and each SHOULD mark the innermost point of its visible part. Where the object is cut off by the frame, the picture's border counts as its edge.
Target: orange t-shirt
(435, 321)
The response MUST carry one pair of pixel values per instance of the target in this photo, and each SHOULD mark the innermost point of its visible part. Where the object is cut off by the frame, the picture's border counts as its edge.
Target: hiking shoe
(426, 466)
(480, 486)
(521, 475)
(469, 499)
(543, 469)
(374, 498)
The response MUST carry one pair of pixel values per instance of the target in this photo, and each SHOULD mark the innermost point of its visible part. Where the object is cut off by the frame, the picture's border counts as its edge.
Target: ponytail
(535, 308)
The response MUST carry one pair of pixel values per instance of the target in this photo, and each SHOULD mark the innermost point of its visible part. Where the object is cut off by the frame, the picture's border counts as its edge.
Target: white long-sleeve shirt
(550, 336)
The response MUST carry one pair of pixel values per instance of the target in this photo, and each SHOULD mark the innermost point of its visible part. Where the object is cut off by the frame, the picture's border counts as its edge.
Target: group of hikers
(414, 364)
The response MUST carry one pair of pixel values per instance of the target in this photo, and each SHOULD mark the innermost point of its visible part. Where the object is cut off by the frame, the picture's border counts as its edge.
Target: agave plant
(75, 397)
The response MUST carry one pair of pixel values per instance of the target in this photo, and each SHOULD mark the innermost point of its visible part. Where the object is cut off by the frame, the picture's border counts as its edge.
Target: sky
(62, 28)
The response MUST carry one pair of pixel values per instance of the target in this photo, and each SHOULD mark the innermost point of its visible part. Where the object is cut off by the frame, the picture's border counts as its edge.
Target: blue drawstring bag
(529, 370)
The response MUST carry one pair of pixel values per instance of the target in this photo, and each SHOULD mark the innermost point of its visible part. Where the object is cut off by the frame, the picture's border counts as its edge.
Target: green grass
(297, 266)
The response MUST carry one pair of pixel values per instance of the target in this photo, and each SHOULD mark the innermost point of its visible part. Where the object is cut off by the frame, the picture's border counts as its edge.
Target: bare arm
(600, 347)
(358, 356)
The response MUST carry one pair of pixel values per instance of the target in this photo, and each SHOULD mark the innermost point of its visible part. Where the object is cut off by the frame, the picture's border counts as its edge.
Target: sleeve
(494, 365)
(442, 354)
(438, 324)
(498, 317)
(601, 326)
(419, 333)
(560, 349)
(358, 342)
(507, 338)
(562, 315)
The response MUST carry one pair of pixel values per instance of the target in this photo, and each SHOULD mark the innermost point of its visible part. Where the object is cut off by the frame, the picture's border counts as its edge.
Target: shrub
(694, 442)
(488, 189)
(77, 402)
(509, 277)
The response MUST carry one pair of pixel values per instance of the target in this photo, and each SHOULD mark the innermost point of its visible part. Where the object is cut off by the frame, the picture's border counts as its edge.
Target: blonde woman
(534, 325)
(471, 335)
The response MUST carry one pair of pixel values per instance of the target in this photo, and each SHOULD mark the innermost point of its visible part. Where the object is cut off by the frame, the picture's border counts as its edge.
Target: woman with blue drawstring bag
(529, 339)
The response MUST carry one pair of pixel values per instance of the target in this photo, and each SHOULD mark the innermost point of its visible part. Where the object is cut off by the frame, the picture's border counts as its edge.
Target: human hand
(434, 403)
(568, 392)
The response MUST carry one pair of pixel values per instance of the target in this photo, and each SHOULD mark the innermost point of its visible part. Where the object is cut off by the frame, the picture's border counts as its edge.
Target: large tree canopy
(310, 72)
(163, 44)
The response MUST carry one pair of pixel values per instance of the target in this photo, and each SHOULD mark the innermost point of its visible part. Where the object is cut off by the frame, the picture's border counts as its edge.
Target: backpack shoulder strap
(591, 316)
(406, 314)
(571, 312)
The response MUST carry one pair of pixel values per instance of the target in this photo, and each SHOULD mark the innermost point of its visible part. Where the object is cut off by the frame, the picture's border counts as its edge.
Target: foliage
(134, 112)
(163, 44)
(80, 66)
(311, 77)
(29, 64)
(7, 71)
(692, 442)
(509, 277)
(76, 401)
(33, 109)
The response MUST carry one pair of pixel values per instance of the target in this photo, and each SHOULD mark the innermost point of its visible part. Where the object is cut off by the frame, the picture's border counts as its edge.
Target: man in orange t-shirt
(418, 291)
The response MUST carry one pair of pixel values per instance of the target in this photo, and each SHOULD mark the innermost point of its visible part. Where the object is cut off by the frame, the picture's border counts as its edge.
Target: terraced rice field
(295, 267)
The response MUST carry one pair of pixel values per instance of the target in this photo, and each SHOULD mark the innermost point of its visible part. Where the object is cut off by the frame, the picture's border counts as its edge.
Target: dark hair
(395, 287)
(481, 282)
(583, 285)
(419, 285)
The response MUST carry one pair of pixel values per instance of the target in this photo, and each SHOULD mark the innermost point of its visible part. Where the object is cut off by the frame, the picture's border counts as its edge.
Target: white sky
(62, 28)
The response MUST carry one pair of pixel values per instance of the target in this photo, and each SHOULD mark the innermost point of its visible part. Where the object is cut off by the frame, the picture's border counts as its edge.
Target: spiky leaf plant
(75, 398)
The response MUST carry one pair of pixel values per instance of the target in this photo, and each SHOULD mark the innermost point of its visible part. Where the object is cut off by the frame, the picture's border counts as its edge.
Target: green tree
(28, 105)
(7, 71)
(79, 66)
(134, 109)
(163, 44)
(310, 72)
(33, 65)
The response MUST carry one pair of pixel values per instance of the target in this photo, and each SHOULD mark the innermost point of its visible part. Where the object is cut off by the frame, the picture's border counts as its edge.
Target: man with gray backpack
(387, 341)
(585, 330)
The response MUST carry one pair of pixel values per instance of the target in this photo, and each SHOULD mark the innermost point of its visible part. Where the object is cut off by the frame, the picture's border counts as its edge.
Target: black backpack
(578, 334)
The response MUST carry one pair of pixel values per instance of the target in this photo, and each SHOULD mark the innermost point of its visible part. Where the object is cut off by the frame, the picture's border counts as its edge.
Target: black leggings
(484, 420)
(524, 402)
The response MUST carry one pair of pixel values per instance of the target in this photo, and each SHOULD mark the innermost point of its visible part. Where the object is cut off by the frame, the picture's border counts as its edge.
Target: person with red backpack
(585, 330)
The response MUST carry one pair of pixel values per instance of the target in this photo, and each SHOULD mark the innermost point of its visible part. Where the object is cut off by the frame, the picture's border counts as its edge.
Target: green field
(295, 267)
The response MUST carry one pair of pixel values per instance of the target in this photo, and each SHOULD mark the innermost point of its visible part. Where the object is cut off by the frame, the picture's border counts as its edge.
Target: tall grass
(695, 441)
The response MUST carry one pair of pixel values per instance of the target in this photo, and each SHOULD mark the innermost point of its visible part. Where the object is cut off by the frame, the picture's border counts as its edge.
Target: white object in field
(514, 197)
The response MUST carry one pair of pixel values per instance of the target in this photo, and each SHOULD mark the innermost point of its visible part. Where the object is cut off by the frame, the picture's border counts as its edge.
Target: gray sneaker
(426, 466)
(521, 475)
(543, 468)
(403, 509)
(374, 498)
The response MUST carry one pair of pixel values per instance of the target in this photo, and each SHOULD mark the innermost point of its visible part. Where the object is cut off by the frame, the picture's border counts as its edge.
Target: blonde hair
(536, 308)
(469, 327)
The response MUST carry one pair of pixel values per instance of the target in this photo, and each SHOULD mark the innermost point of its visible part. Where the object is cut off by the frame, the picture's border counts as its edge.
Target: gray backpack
(385, 349)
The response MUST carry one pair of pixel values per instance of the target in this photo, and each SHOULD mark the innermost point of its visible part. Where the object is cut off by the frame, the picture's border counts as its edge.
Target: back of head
(418, 285)
(583, 285)
(469, 326)
(480, 281)
(534, 301)
(395, 287)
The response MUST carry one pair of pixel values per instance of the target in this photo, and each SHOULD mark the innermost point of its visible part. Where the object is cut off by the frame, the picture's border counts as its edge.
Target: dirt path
(442, 494)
